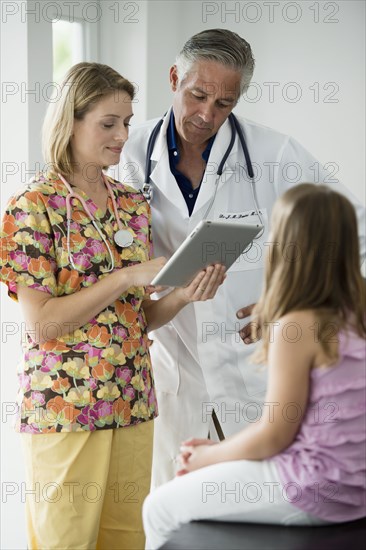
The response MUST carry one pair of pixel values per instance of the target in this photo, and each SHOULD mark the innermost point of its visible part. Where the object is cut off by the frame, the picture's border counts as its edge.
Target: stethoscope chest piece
(123, 238)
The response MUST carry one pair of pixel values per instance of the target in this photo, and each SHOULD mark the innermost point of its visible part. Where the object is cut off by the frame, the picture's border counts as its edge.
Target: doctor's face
(203, 100)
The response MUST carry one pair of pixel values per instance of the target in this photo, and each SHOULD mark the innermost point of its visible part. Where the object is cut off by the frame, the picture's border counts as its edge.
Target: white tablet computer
(209, 243)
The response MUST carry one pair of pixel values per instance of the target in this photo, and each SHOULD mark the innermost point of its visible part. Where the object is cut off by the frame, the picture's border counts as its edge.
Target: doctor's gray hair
(221, 46)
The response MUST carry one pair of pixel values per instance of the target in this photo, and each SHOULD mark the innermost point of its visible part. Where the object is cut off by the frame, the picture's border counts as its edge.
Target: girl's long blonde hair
(313, 264)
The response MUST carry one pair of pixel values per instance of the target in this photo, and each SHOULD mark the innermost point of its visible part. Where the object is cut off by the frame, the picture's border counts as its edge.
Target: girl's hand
(142, 274)
(186, 451)
(195, 442)
(204, 286)
(193, 458)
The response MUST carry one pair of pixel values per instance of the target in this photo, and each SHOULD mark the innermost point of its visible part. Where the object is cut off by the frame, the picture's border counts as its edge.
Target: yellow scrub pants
(85, 490)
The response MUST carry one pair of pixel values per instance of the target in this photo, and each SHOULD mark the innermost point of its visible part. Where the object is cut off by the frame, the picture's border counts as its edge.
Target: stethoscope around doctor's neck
(236, 130)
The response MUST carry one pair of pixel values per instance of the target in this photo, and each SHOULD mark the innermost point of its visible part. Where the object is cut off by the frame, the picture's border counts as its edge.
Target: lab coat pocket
(254, 375)
(164, 358)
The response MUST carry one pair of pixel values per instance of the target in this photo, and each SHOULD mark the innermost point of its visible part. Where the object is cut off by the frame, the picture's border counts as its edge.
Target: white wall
(14, 150)
(22, 107)
(124, 45)
(141, 39)
(26, 87)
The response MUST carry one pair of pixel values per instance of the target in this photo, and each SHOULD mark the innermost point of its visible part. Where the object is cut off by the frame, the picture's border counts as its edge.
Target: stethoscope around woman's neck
(123, 238)
(236, 129)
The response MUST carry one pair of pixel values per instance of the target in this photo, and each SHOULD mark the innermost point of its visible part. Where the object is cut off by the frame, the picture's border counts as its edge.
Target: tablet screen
(209, 243)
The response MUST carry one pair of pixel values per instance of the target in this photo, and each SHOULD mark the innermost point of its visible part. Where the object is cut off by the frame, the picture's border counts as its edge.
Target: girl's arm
(48, 317)
(291, 356)
(159, 312)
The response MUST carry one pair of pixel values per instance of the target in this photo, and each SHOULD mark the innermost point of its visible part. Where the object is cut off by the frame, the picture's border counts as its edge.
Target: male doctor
(200, 361)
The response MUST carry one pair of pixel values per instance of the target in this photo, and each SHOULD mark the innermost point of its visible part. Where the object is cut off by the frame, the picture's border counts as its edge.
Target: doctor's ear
(173, 76)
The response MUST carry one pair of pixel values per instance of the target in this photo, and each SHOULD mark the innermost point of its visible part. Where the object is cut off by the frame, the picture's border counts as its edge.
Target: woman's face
(98, 138)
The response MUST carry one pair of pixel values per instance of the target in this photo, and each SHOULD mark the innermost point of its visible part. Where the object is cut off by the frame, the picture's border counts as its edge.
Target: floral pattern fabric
(99, 375)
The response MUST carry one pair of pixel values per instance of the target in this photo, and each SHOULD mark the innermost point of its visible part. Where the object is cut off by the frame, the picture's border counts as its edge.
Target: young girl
(303, 462)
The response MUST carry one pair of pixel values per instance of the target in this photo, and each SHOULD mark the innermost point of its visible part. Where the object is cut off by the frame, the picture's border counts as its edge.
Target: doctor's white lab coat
(199, 360)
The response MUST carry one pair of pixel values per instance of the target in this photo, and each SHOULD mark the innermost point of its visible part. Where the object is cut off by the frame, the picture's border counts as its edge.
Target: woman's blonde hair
(83, 86)
(313, 263)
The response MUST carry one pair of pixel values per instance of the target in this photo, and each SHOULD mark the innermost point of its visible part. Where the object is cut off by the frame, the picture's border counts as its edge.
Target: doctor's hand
(245, 332)
(204, 286)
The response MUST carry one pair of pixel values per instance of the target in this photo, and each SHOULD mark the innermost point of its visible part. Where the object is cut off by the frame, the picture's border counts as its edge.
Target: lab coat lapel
(218, 150)
(161, 175)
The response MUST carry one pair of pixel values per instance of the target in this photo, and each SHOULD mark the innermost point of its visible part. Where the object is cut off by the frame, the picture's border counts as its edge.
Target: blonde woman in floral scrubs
(86, 392)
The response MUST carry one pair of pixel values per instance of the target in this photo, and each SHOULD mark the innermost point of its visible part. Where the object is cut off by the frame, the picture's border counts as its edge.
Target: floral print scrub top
(98, 376)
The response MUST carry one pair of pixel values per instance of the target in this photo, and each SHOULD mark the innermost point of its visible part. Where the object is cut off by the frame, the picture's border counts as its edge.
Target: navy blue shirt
(190, 195)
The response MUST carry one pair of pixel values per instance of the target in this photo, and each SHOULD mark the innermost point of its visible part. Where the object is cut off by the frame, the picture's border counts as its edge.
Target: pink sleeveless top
(324, 470)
